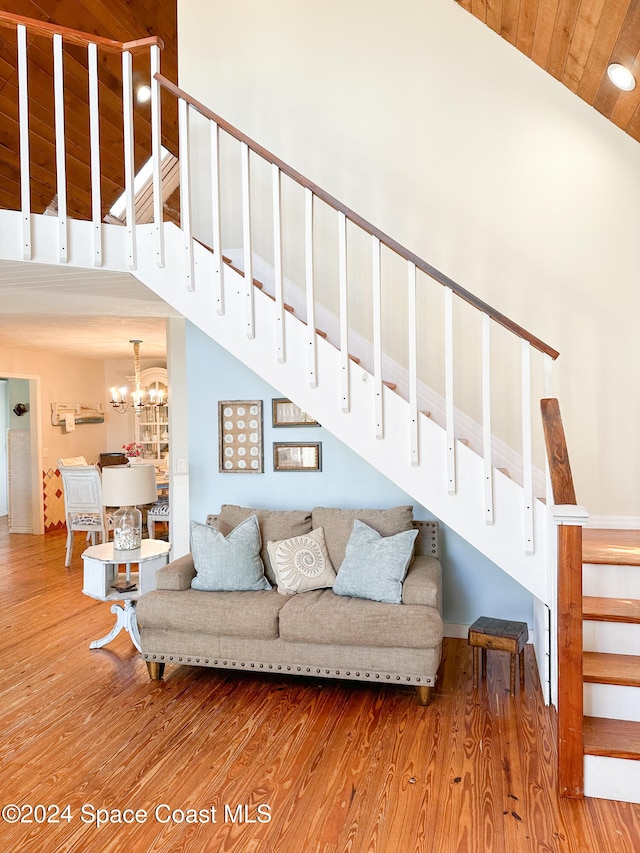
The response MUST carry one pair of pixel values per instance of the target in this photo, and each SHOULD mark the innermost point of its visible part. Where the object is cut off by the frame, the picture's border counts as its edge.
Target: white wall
(64, 379)
(472, 585)
(429, 125)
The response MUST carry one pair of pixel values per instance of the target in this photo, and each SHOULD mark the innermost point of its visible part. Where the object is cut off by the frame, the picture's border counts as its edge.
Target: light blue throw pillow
(228, 562)
(375, 566)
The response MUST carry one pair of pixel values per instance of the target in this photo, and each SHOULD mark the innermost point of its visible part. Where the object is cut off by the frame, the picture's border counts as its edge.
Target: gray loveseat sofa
(312, 633)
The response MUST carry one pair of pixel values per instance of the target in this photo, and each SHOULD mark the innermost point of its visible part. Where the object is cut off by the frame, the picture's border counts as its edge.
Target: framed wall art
(284, 413)
(297, 456)
(240, 437)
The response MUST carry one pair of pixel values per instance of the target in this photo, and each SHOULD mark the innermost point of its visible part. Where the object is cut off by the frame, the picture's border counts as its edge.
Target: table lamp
(127, 487)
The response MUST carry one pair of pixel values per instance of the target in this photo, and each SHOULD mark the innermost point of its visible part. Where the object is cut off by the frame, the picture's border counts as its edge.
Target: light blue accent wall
(472, 585)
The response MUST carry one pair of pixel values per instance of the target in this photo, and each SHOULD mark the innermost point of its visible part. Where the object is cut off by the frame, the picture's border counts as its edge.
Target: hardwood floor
(290, 766)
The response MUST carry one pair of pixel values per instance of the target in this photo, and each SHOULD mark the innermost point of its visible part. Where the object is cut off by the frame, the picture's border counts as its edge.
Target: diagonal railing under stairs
(464, 375)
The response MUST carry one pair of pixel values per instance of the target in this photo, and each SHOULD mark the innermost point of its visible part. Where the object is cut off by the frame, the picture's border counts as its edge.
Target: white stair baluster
(129, 163)
(345, 394)
(185, 192)
(527, 459)
(25, 175)
(246, 241)
(376, 294)
(61, 168)
(310, 290)
(412, 321)
(156, 154)
(94, 134)
(486, 419)
(448, 384)
(218, 262)
(277, 263)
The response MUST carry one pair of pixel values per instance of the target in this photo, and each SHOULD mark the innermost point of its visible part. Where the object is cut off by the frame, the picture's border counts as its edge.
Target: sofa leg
(156, 670)
(424, 694)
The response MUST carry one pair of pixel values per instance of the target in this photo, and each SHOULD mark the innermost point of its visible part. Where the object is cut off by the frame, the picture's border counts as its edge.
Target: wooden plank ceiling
(575, 41)
(122, 20)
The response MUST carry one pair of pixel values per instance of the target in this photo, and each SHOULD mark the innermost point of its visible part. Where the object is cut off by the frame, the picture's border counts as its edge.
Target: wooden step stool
(487, 633)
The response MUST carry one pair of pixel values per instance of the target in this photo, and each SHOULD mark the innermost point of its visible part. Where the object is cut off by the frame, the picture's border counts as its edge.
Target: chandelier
(139, 398)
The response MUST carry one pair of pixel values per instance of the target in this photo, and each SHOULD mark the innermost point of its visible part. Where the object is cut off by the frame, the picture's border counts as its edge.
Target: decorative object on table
(128, 488)
(240, 437)
(108, 458)
(284, 413)
(139, 397)
(133, 451)
(299, 456)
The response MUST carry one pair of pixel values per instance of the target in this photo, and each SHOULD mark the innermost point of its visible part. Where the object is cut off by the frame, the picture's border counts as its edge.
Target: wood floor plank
(340, 767)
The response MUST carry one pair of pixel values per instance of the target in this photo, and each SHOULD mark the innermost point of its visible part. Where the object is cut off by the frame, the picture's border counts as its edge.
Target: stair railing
(417, 272)
(529, 343)
(569, 518)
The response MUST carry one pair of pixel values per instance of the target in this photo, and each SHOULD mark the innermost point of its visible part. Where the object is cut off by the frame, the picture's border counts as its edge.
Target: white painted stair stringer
(502, 542)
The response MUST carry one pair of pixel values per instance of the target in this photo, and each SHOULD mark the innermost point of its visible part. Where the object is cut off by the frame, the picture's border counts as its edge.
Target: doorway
(21, 496)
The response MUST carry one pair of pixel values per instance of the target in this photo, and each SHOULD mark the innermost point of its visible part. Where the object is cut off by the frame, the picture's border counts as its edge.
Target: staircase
(406, 390)
(611, 612)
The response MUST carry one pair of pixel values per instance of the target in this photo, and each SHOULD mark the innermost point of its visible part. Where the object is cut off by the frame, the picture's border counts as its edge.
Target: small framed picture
(287, 414)
(301, 456)
(240, 437)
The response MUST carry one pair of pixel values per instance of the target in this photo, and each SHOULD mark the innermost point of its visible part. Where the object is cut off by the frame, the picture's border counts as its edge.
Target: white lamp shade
(128, 486)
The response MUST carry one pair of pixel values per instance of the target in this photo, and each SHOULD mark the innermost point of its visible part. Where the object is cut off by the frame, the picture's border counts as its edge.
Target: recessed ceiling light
(144, 94)
(621, 77)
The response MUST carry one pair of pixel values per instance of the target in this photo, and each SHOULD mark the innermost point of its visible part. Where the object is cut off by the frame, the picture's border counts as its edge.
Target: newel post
(570, 519)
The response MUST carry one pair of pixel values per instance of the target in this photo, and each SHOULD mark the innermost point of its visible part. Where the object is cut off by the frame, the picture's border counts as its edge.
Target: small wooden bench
(500, 634)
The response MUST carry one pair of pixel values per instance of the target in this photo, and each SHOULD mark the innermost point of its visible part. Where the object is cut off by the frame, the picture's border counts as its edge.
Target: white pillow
(301, 563)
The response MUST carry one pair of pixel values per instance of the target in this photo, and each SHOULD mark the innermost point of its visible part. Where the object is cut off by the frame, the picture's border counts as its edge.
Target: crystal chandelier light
(139, 398)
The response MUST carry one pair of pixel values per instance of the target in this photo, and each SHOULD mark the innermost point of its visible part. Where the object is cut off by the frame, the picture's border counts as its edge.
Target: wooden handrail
(8, 19)
(559, 467)
(570, 644)
(358, 220)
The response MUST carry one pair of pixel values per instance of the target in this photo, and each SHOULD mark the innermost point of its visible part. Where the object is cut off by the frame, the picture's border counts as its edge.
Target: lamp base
(127, 528)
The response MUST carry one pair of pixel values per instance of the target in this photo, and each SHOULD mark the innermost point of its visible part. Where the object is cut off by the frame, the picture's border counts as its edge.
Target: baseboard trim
(614, 522)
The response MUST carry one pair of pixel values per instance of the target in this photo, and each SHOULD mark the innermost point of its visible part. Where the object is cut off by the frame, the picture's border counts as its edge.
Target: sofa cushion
(250, 615)
(301, 563)
(321, 616)
(274, 524)
(375, 566)
(338, 524)
(228, 562)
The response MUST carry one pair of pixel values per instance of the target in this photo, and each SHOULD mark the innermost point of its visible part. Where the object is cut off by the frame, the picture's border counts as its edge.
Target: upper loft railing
(404, 324)
(73, 144)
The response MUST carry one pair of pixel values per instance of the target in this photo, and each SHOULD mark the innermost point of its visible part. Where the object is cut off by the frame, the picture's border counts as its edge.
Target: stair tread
(611, 609)
(602, 668)
(611, 547)
(612, 738)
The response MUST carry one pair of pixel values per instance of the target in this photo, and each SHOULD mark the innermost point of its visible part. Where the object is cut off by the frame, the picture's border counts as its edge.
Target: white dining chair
(83, 508)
